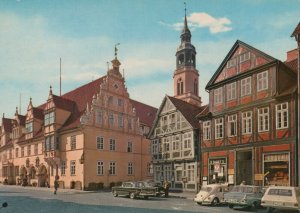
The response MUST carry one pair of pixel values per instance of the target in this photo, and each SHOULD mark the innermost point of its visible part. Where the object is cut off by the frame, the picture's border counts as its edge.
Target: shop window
(217, 170)
(276, 169)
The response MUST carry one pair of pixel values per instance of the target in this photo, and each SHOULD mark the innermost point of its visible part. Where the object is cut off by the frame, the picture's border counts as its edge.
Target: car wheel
(215, 201)
(270, 210)
(132, 195)
(115, 194)
(255, 205)
(199, 203)
(230, 206)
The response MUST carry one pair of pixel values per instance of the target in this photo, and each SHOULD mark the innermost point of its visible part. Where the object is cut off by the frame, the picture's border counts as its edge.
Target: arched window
(180, 59)
(179, 86)
(196, 87)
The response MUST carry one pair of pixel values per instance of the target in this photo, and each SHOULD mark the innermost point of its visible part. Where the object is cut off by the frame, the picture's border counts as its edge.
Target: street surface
(27, 199)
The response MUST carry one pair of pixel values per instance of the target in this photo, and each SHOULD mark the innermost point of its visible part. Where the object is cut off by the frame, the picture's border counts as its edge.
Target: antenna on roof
(59, 76)
(20, 102)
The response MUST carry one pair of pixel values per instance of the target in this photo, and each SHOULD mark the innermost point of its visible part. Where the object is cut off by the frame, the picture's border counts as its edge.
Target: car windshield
(280, 192)
(206, 188)
(243, 189)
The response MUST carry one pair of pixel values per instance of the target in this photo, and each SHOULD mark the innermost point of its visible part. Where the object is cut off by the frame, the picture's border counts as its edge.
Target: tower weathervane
(116, 50)
(185, 8)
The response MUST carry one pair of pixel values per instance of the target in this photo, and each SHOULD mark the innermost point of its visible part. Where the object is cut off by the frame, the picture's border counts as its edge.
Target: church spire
(186, 33)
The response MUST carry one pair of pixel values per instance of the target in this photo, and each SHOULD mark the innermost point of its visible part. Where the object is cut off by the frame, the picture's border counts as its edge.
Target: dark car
(160, 189)
(135, 189)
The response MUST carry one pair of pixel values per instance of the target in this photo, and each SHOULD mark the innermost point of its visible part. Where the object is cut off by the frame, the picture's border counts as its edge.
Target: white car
(211, 194)
(282, 198)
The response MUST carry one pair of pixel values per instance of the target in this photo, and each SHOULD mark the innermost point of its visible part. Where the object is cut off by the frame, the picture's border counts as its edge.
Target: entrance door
(244, 167)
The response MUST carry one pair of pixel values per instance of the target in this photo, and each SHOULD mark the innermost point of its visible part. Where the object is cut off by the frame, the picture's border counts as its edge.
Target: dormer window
(49, 118)
(28, 127)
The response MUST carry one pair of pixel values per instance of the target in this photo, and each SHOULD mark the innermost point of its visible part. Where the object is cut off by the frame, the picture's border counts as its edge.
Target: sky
(35, 34)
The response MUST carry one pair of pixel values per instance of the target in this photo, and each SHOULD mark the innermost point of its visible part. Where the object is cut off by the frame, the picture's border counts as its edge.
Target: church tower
(186, 76)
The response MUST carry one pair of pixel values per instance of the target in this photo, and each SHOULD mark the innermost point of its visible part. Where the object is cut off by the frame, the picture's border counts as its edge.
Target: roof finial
(184, 8)
(3, 115)
(116, 50)
(16, 110)
(50, 92)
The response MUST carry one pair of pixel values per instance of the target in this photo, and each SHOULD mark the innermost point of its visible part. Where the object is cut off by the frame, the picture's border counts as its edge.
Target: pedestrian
(166, 187)
(243, 183)
(56, 184)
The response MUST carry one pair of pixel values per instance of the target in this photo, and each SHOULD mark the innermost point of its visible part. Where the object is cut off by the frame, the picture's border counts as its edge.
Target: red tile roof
(189, 111)
(292, 65)
(38, 113)
(145, 112)
(7, 124)
(63, 103)
(22, 119)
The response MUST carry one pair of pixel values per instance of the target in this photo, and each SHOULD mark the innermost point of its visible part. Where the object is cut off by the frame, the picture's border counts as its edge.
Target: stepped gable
(189, 111)
(145, 113)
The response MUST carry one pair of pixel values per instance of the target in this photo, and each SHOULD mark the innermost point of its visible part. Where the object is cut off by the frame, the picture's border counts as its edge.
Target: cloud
(203, 20)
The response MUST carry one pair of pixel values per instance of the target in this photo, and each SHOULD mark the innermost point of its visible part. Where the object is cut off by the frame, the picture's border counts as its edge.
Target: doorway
(244, 167)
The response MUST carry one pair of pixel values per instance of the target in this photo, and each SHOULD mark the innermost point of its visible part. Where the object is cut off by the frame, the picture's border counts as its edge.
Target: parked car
(282, 198)
(212, 194)
(161, 190)
(134, 189)
(244, 196)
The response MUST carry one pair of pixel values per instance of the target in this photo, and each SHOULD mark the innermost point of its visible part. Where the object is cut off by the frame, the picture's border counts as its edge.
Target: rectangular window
(149, 169)
(99, 117)
(187, 140)
(72, 167)
(36, 149)
(206, 130)
(262, 81)
(191, 173)
(154, 146)
(112, 144)
(244, 57)
(22, 151)
(49, 118)
(111, 119)
(231, 63)
(218, 95)
(100, 168)
(110, 100)
(231, 91)
(219, 128)
(129, 147)
(17, 152)
(166, 145)
(282, 112)
(176, 142)
(112, 168)
(120, 120)
(28, 150)
(73, 142)
(28, 127)
(129, 123)
(120, 102)
(263, 119)
(246, 122)
(246, 86)
(130, 169)
(232, 123)
(100, 144)
(63, 168)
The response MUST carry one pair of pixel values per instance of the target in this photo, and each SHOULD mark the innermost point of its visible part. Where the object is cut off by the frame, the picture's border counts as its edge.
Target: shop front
(217, 170)
(276, 167)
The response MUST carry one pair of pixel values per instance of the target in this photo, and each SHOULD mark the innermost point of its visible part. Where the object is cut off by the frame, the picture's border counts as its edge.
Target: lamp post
(296, 34)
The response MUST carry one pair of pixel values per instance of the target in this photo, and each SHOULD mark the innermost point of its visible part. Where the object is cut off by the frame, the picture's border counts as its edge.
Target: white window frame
(100, 167)
(112, 144)
(232, 125)
(262, 81)
(282, 115)
(231, 91)
(112, 168)
(218, 95)
(263, 119)
(100, 143)
(73, 142)
(187, 140)
(246, 86)
(244, 57)
(231, 63)
(72, 168)
(247, 123)
(206, 130)
(219, 128)
(63, 168)
(29, 127)
(176, 142)
(49, 118)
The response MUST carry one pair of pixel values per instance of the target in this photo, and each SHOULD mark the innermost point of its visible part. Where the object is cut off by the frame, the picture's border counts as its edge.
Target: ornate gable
(241, 58)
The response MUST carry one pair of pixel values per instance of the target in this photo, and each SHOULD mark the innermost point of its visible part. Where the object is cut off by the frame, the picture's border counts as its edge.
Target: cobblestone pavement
(42, 200)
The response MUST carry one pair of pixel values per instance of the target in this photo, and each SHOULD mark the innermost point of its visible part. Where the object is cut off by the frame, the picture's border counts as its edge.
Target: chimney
(291, 55)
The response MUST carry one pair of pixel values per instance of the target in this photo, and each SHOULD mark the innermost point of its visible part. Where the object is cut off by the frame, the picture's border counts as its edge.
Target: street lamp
(296, 34)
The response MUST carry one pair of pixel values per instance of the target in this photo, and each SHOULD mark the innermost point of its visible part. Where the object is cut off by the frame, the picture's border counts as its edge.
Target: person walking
(166, 187)
(56, 184)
